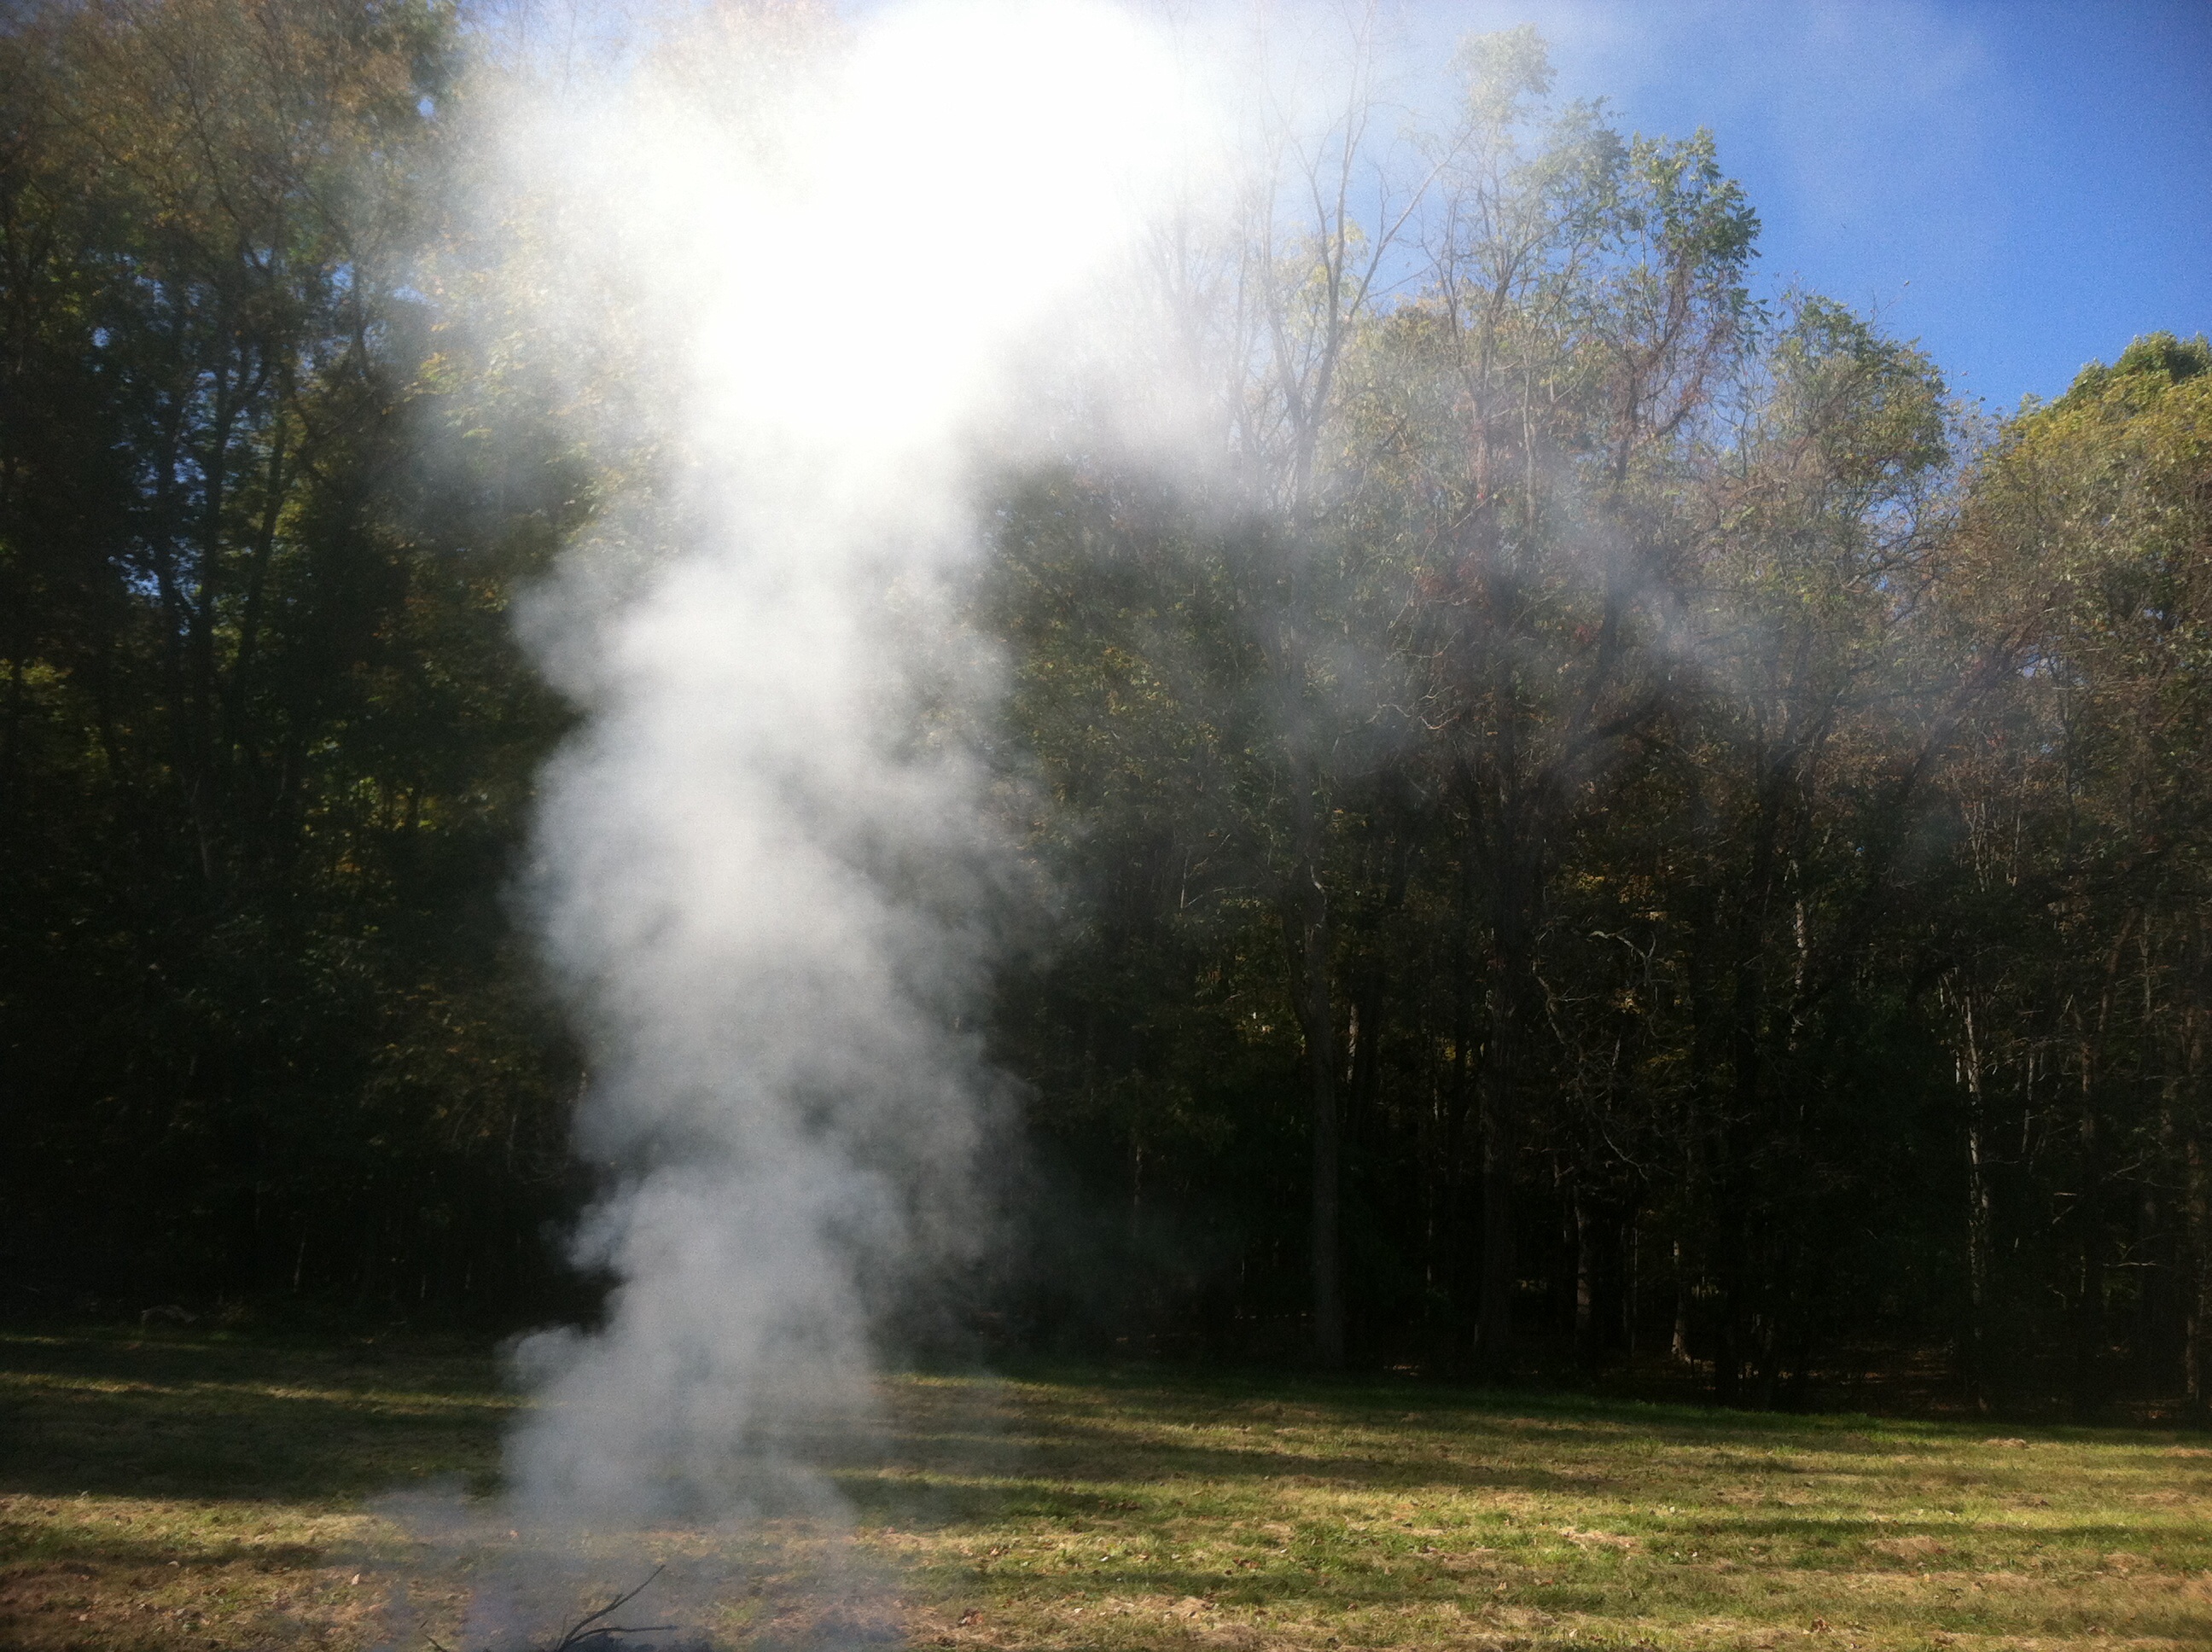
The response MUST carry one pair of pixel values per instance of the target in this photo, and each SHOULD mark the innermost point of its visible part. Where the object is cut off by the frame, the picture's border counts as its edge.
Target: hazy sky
(2024, 185)
(2040, 174)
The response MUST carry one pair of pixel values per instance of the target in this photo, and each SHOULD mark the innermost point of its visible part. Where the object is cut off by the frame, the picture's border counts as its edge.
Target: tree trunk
(2089, 1327)
(1501, 1118)
(1586, 1319)
(2196, 1299)
(1459, 1102)
(1678, 1346)
(1494, 1329)
(1306, 936)
(1978, 1217)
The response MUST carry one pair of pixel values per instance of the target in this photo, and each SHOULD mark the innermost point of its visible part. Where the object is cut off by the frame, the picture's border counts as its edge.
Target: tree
(266, 736)
(2081, 825)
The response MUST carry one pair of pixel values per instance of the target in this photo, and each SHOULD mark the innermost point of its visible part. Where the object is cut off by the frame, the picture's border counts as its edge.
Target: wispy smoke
(782, 273)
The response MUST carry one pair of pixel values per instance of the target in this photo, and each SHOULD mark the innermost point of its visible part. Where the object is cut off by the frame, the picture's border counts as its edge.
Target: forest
(1622, 822)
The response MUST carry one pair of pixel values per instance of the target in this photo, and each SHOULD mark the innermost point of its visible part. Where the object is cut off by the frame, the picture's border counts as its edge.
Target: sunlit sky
(2023, 186)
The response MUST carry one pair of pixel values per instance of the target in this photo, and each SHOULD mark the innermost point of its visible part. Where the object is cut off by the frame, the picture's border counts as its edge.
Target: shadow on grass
(148, 1416)
(1124, 1432)
(1156, 1484)
(181, 1417)
(78, 1547)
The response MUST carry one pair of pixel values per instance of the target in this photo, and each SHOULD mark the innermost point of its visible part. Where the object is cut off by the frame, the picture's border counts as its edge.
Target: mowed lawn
(172, 1493)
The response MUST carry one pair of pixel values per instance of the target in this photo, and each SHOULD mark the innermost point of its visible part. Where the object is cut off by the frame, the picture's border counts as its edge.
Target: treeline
(1599, 812)
(266, 1028)
(1615, 811)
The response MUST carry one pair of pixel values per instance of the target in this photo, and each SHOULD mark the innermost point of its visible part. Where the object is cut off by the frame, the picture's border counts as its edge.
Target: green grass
(180, 1494)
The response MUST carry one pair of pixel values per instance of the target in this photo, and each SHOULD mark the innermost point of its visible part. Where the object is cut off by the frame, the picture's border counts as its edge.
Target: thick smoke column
(758, 864)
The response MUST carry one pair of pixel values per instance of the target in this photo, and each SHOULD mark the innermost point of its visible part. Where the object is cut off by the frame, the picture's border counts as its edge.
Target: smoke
(797, 292)
(785, 281)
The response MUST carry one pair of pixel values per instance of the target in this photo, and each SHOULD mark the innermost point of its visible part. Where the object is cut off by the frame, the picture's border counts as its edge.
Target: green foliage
(1658, 678)
(267, 738)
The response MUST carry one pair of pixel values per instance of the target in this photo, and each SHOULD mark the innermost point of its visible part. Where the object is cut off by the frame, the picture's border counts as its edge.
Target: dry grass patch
(172, 1495)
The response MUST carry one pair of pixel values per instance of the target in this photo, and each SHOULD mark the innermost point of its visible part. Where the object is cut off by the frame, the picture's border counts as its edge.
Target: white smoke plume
(754, 864)
(784, 270)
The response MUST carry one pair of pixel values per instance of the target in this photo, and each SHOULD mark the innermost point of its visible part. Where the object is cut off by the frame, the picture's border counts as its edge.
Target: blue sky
(2023, 186)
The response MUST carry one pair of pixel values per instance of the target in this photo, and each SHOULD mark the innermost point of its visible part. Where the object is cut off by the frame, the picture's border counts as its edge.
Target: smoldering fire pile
(598, 1628)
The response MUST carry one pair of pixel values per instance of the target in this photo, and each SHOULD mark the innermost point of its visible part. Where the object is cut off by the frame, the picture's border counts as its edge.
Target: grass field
(180, 1494)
